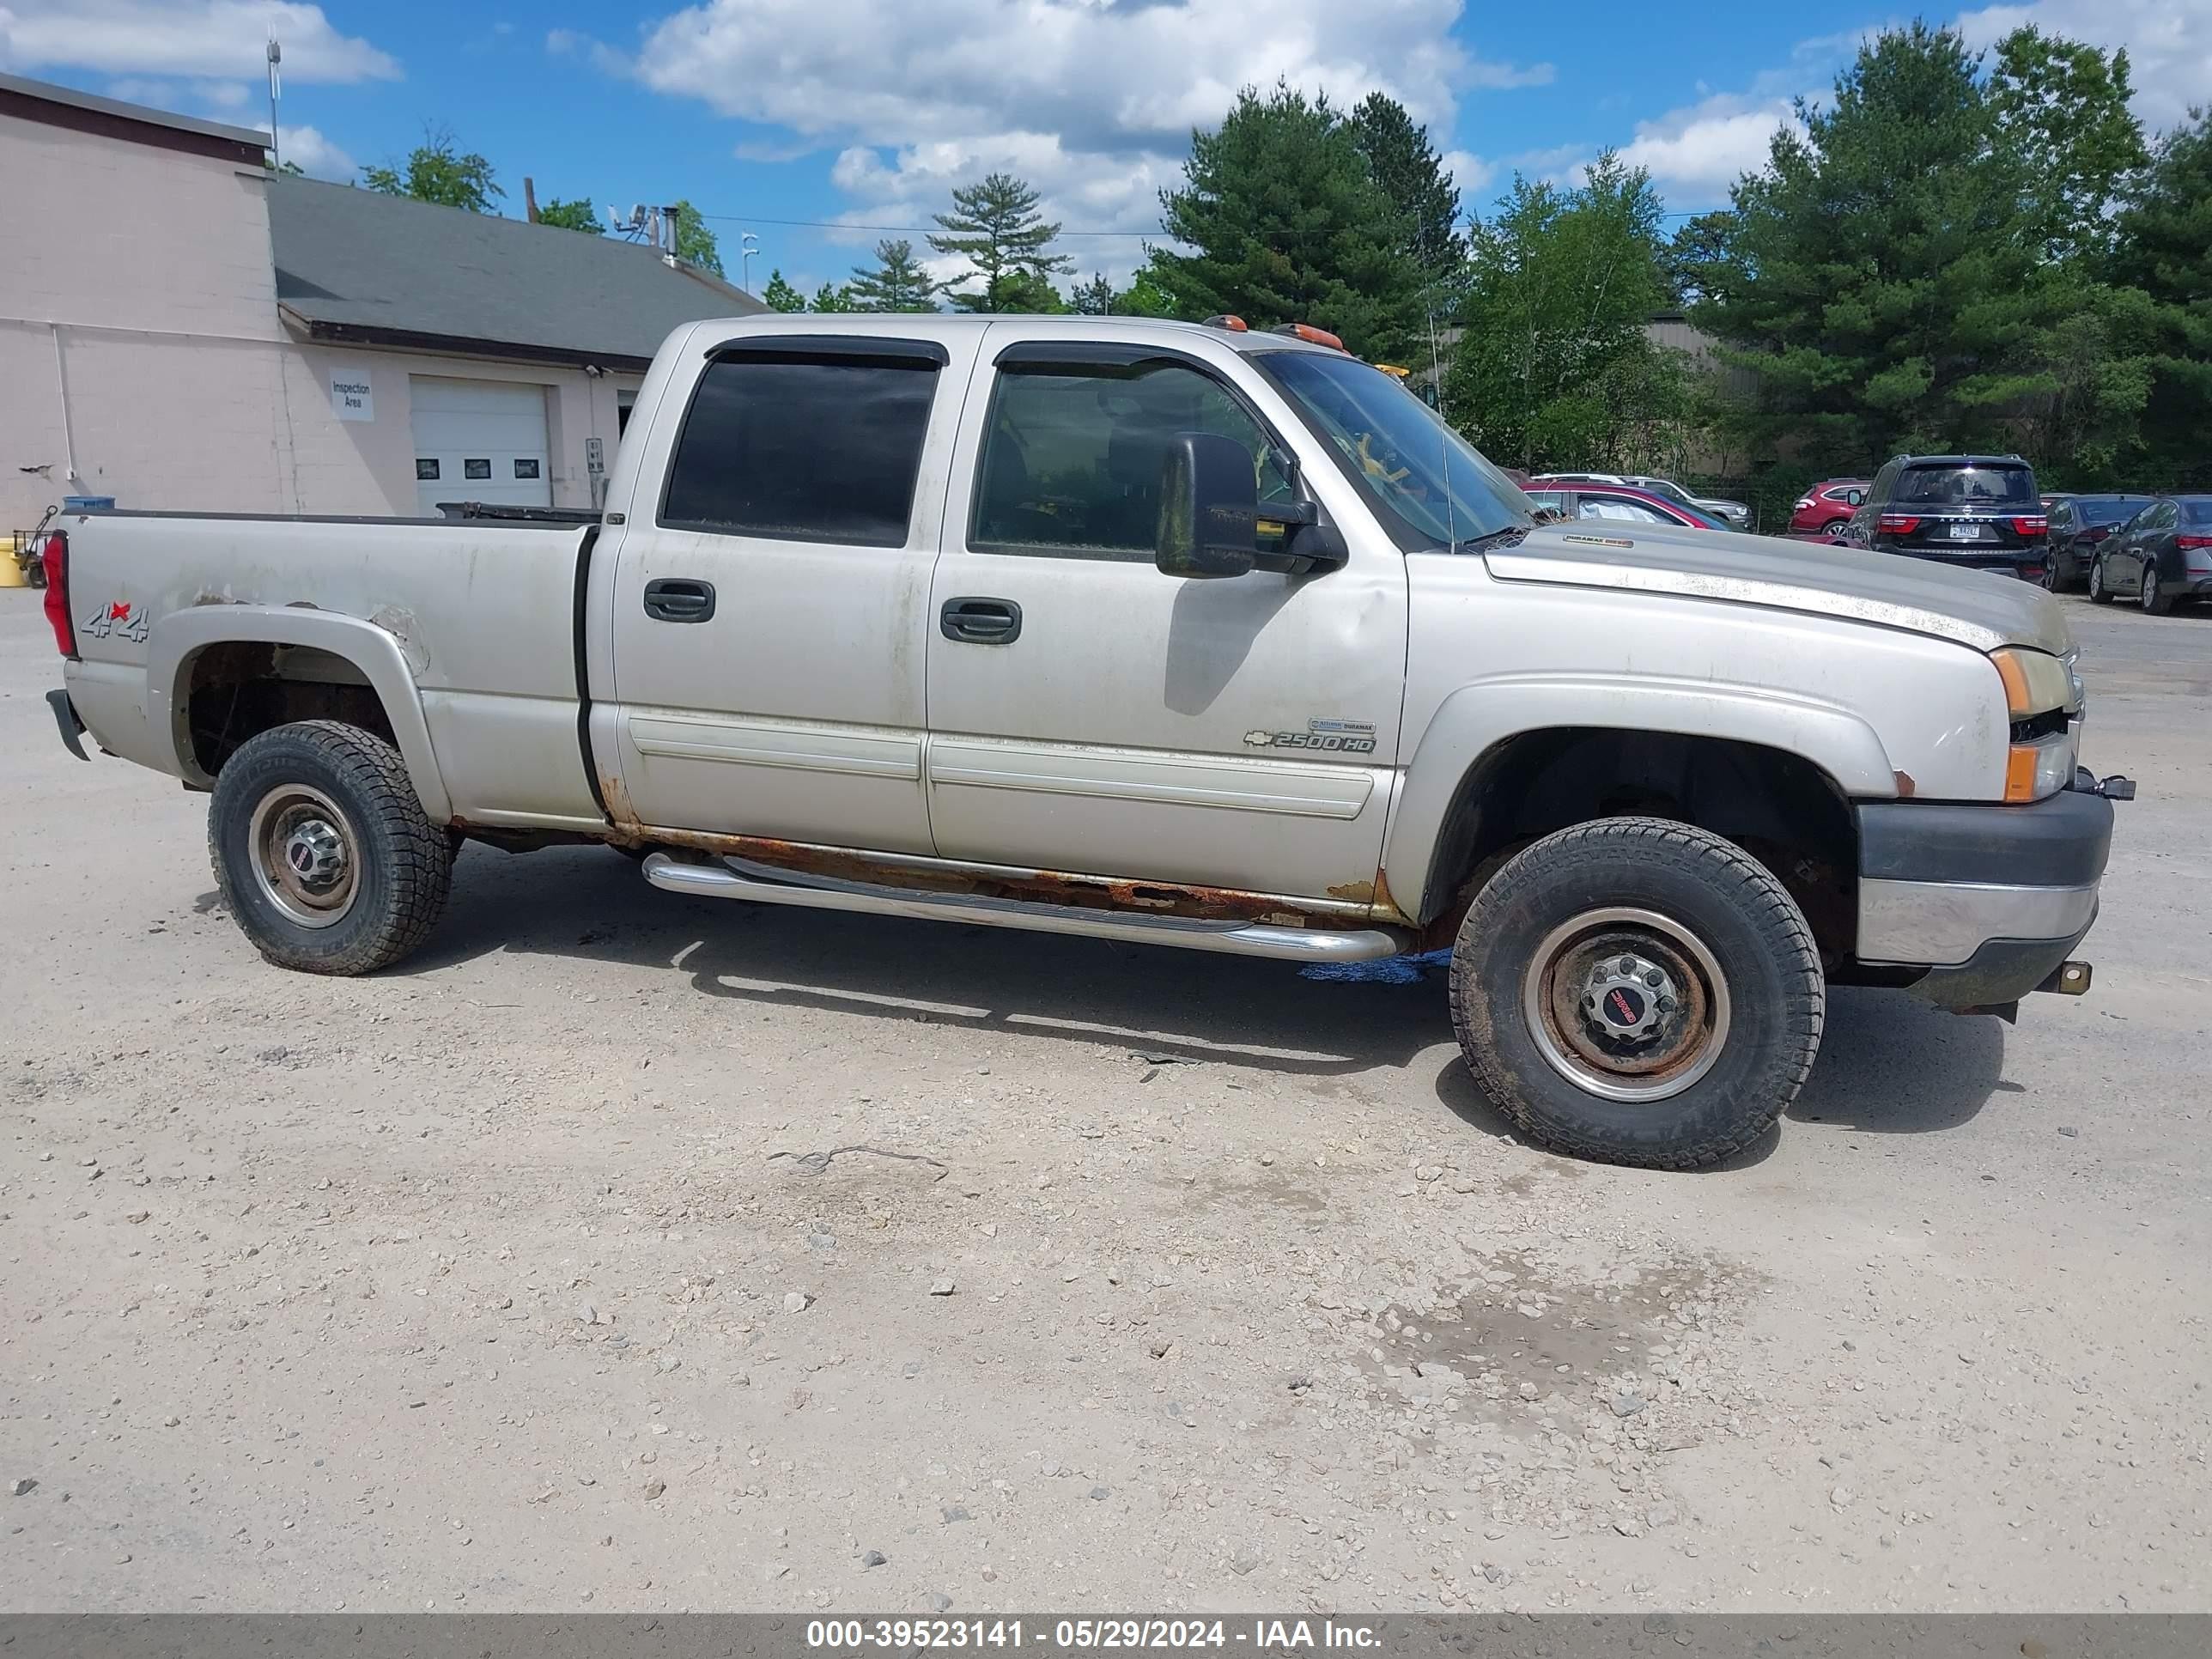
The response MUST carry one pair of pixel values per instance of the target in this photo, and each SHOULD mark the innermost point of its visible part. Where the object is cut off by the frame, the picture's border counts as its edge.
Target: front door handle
(679, 599)
(980, 622)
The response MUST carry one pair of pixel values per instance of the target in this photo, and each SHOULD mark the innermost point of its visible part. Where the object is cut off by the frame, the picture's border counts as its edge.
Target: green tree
(438, 171)
(1289, 226)
(1700, 258)
(1554, 367)
(896, 282)
(1886, 282)
(827, 298)
(2060, 110)
(570, 215)
(1402, 161)
(2163, 252)
(1093, 298)
(696, 245)
(1148, 296)
(779, 295)
(996, 227)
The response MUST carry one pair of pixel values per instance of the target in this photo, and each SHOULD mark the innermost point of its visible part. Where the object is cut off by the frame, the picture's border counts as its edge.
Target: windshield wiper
(1511, 535)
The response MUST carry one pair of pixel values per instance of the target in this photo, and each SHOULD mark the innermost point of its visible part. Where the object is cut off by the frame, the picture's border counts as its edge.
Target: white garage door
(479, 440)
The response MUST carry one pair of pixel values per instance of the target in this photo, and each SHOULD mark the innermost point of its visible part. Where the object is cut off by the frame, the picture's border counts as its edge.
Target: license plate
(1965, 533)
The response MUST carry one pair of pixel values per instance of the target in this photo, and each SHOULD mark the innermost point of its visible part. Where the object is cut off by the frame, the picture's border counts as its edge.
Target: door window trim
(830, 350)
(1042, 357)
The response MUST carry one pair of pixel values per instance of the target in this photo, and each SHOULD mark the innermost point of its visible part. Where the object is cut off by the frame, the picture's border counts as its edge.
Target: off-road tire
(405, 862)
(1702, 882)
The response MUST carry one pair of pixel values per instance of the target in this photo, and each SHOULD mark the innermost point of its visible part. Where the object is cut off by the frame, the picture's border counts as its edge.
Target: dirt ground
(519, 1278)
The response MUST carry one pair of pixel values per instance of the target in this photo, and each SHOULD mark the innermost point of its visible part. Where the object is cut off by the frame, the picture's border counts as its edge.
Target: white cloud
(1091, 100)
(2169, 44)
(1469, 175)
(1696, 154)
(220, 40)
(316, 156)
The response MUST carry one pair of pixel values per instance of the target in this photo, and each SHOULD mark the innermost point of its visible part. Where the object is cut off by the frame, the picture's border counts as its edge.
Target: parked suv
(1977, 511)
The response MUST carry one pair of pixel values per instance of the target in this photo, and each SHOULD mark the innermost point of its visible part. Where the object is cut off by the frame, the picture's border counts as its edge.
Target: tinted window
(2200, 511)
(2096, 512)
(1072, 455)
(1994, 485)
(1634, 511)
(802, 452)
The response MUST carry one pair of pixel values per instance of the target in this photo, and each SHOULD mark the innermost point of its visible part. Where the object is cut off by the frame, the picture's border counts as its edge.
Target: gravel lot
(500, 1282)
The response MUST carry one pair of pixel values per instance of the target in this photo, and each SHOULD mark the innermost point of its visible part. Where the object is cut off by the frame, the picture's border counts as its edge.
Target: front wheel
(2098, 594)
(322, 850)
(1638, 991)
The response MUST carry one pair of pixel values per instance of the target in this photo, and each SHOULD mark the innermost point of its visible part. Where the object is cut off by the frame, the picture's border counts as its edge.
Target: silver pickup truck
(1191, 635)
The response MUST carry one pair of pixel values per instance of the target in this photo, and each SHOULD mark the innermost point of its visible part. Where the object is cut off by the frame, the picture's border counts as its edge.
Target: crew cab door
(1088, 713)
(768, 600)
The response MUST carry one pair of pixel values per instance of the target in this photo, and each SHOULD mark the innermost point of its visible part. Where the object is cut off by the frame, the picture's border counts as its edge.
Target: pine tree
(1401, 160)
(779, 295)
(995, 225)
(827, 298)
(896, 282)
(1093, 298)
(2061, 108)
(1289, 226)
(2163, 253)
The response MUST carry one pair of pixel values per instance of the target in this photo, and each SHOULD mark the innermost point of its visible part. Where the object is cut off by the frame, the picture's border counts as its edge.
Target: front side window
(787, 449)
(1433, 490)
(1072, 455)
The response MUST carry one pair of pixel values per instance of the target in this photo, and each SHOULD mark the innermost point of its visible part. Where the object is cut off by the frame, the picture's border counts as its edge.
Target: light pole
(748, 245)
(276, 155)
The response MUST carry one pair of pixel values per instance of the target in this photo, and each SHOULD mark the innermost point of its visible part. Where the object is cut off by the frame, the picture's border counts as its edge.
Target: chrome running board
(732, 879)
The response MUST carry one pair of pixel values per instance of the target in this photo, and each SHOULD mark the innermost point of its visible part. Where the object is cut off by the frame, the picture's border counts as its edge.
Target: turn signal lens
(2020, 773)
(1309, 333)
(2035, 770)
(1234, 325)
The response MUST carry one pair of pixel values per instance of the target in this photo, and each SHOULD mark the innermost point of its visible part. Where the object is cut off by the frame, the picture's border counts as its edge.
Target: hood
(1917, 595)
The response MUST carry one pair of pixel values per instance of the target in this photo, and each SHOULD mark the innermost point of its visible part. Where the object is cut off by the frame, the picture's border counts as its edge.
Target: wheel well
(1779, 807)
(240, 689)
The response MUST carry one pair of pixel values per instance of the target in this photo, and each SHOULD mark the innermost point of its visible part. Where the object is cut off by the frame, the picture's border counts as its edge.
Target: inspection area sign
(353, 398)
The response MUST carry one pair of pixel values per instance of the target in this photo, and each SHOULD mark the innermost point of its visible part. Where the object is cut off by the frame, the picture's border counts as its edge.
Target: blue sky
(855, 114)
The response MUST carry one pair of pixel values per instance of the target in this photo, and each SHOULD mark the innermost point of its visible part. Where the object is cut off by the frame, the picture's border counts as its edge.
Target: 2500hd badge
(1334, 737)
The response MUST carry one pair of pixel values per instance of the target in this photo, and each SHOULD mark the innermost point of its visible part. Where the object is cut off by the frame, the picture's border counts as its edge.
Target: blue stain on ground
(1387, 970)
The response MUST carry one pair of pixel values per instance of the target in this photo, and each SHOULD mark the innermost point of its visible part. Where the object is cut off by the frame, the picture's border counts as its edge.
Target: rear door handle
(679, 599)
(980, 622)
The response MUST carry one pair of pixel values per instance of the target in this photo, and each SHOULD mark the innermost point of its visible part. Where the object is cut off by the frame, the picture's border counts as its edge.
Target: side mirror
(1209, 509)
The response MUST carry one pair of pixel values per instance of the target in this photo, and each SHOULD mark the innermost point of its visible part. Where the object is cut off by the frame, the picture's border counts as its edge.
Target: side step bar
(1243, 938)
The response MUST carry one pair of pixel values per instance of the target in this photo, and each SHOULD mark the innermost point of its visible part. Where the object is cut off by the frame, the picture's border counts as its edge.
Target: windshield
(1432, 488)
(1967, 486)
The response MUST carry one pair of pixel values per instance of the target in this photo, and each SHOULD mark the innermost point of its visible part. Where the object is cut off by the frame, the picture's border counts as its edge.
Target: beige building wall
(140, 343)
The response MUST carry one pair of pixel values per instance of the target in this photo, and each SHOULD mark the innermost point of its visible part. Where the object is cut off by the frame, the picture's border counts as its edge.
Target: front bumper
(1988, 899)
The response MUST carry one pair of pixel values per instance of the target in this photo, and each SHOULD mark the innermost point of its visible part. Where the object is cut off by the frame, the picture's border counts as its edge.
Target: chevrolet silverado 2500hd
(1190, 635)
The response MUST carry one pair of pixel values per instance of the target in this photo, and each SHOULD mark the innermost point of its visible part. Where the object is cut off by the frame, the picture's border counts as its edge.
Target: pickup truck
(1195, 635)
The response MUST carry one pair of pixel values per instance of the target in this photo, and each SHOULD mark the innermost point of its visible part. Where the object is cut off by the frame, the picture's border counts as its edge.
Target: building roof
(85, 112)
(356, 267)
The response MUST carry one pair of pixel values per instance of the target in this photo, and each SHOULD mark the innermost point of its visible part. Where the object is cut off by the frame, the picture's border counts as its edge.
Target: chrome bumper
(1928, 924)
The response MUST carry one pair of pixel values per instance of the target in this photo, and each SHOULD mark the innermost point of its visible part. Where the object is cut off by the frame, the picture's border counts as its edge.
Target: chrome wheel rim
(1626, 1004)
(2096, 579)
(305, 855)
(2149, 587)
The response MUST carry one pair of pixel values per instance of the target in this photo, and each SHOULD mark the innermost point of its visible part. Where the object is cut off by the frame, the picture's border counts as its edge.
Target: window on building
(426, 468)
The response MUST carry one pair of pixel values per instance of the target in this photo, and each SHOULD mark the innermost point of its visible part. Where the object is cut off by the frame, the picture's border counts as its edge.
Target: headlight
(2041, 691)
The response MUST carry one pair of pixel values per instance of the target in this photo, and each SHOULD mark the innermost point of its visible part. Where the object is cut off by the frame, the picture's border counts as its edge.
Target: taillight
(1802, 505)
(55, 558)
(2030, 524)
(2193, 542)
(1897, 524)
(2096, 533)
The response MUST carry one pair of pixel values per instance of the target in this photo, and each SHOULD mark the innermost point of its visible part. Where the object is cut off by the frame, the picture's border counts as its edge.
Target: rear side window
(1994, 485)
(2200, 512)
(802, 451)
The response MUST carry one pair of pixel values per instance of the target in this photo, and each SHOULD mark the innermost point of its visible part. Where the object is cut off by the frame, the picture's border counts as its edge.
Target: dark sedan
(2159, 558)
(2078, 524)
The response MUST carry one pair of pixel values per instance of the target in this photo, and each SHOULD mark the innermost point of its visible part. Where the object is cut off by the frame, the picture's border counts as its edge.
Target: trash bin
(87, 503)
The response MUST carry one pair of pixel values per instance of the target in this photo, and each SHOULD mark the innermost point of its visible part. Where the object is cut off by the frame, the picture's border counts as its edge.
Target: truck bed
(483, 609)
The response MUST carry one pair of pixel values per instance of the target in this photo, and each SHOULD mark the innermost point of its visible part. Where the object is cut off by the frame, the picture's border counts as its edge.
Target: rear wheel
(1638, 991)
(2153, 597)
(323, 851)
(2098, 594)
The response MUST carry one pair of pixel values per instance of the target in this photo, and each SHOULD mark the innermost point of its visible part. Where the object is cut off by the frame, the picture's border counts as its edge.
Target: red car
(1624, 503)
(1827, 505)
